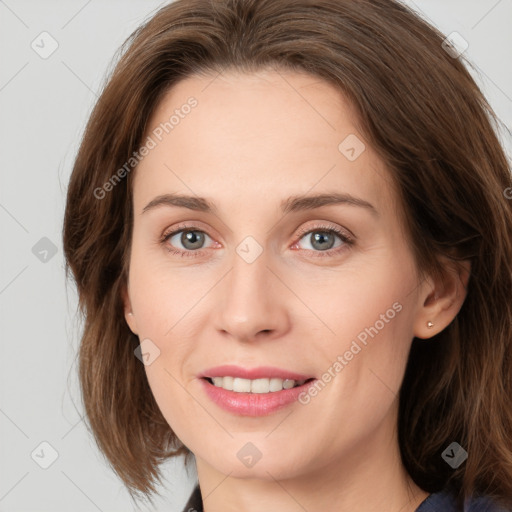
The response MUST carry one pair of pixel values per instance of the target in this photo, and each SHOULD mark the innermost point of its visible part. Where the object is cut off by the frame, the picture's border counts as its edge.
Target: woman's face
(263, 283)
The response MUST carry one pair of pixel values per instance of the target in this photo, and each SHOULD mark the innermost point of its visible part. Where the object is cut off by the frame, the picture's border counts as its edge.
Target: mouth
(254, 391)
(255, 386)
(259, 396)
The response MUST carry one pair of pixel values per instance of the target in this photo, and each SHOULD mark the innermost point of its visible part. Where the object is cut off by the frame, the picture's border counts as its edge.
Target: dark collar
(195, 502)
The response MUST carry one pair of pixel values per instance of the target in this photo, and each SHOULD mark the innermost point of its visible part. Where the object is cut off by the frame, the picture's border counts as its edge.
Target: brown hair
(420, 109)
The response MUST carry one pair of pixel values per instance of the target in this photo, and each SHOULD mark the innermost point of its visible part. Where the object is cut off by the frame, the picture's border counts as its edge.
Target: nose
(251, 302)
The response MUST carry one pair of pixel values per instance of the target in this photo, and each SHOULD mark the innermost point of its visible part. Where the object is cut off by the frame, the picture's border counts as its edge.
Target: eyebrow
(292, 204)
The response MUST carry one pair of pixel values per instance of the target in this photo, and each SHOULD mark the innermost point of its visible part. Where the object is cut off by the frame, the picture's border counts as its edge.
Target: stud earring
(430, 324)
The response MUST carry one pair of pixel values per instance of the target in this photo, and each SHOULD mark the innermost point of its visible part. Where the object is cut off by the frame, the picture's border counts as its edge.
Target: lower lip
(253, 404)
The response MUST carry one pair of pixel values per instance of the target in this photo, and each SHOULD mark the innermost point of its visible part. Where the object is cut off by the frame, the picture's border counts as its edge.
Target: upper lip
(260, 372)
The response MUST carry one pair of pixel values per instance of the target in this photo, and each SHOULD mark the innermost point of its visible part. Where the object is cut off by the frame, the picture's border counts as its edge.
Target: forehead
(268, 134)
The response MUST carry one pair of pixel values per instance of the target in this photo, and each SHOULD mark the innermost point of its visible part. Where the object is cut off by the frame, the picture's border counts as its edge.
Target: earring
(131, 314)
(430, 324)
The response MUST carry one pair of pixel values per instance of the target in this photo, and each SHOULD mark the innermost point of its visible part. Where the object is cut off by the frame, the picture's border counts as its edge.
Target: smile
(263, 385)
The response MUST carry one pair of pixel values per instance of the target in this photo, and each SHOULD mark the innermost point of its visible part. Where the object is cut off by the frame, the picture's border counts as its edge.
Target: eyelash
(345, 238)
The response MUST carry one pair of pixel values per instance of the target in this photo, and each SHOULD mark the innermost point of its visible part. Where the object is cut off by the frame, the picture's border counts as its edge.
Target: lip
(261, 372)
(253, 404)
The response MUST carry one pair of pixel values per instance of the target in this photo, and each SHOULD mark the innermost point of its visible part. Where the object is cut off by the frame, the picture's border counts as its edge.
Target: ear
(442, 298)
(128, 312)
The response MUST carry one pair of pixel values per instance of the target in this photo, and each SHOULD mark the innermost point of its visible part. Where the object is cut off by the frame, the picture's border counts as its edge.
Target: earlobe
(442, 299)
(132, 324)
(128, 313)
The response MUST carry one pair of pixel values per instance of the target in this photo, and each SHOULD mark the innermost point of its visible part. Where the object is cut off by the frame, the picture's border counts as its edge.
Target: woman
(289, 228)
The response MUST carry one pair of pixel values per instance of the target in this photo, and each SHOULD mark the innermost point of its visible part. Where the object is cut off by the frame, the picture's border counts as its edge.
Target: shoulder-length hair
(421, 110)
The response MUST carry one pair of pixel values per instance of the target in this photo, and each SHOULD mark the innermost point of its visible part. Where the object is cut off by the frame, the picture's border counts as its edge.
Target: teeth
(241, 385)
(227, 383)
(275, 385)
(255, 386)
(260, 386)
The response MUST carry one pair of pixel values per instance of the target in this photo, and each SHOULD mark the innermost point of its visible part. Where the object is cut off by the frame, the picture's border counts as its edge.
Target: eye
(189, 241)
(322, 240)
(186, 241)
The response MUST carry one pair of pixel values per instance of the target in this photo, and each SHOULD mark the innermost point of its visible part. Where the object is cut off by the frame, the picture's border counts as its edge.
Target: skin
(252, 141)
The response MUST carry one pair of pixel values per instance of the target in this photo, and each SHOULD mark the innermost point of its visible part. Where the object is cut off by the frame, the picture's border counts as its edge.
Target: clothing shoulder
(445, 502)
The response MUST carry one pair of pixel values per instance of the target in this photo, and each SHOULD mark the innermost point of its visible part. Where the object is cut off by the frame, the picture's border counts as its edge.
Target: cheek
(172, 399)
(364, 301)
(370, 314)
(162, 296)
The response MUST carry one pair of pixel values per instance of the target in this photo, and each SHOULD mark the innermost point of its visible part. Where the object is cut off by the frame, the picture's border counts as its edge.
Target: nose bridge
(250, 302)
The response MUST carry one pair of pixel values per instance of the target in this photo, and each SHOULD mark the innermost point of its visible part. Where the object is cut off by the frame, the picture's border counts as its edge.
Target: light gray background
(44, 104)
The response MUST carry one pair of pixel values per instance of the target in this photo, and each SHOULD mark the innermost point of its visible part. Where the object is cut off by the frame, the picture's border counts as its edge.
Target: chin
(243, 459)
